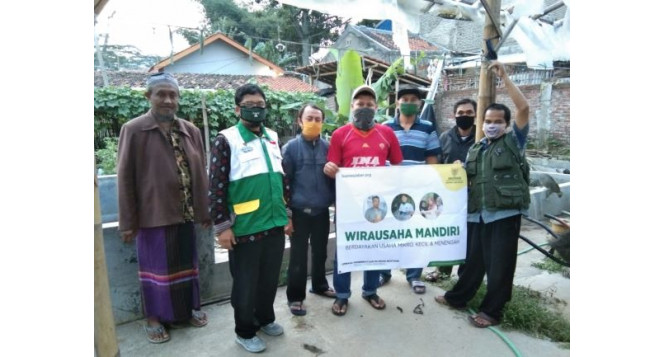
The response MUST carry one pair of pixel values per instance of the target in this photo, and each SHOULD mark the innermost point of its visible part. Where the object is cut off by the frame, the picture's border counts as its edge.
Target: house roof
(208, 40)
(207, 81)
(384, 37)
(327, 72)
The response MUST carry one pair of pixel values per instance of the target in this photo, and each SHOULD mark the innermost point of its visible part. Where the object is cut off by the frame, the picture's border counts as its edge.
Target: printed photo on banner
(403, 207)
(374, 209)
(431, 205)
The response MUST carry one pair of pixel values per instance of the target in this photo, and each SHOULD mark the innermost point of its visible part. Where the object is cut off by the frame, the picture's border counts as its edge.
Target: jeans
(308, 228)
(255, 269)
(411, 274)
(342, 282)
(492, 250)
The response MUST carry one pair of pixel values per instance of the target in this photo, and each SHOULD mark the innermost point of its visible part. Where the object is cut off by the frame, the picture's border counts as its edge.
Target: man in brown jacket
(162, 192)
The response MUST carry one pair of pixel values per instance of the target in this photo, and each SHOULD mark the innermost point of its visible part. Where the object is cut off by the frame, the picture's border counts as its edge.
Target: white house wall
(219, 58)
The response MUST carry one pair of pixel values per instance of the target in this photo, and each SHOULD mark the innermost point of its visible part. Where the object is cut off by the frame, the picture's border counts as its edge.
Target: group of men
(256, 193)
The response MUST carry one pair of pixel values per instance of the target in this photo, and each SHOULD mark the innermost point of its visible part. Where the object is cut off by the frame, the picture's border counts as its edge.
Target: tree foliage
(124, 58)
(268, 22)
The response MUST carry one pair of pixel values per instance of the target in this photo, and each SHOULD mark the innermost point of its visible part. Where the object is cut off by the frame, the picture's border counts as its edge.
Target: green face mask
(254, 115)
(408, 109)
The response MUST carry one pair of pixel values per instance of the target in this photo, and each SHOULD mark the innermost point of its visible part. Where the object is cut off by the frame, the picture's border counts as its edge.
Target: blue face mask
(363, 118)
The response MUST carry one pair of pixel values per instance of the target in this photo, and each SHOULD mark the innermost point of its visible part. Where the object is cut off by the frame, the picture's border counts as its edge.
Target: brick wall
(558, 126)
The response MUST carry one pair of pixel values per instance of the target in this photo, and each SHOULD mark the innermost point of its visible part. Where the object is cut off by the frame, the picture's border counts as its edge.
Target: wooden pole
(206, 128)
(106, 344)
(487, 91)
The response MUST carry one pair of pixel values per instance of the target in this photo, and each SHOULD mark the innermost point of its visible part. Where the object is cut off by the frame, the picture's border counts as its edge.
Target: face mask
(363, 118)
(253, 115)
(493, 131)
(311, 128)
(408, 109)
(465, 122)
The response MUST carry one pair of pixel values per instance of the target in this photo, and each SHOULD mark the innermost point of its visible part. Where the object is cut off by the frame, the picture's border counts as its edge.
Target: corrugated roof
(206, 81)
(415, 42)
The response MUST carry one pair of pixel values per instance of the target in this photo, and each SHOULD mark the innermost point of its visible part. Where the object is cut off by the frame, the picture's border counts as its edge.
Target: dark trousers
(314, 229)
(447, 270)
(255, 269)
(492, 250)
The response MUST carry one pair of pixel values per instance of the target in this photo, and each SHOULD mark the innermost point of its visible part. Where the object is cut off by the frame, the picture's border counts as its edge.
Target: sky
(144, 23)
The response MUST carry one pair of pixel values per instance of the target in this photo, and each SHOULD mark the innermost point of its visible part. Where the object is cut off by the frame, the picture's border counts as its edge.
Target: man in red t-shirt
(362, 143)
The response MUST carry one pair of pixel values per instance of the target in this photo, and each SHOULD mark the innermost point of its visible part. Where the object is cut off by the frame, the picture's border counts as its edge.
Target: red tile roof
(207, 81)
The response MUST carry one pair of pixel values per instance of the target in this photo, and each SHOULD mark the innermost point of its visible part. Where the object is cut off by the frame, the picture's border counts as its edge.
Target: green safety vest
(498, 176)
(255, 191)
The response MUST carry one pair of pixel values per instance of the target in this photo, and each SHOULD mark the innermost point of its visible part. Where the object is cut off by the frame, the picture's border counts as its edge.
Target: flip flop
(441, 300)
(198, 319)
(374, 300)
(482, 320)
(296, 308)
(329, 293)
(153, 332)
(342, 307)
(418, 287)
(432, 276)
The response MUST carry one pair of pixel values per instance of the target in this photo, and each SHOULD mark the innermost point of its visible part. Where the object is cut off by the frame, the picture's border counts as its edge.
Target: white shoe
(254, 344)
(272, 329)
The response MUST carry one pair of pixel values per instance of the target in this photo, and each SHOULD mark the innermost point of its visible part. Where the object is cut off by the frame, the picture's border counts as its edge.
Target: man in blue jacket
(312, 193)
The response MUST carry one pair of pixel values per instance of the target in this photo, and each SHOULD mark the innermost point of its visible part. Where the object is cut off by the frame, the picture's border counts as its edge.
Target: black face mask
(363, 118)
(465, 122)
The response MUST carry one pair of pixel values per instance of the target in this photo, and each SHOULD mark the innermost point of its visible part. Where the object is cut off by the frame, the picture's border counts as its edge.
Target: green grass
(549, 265)
(528, 311)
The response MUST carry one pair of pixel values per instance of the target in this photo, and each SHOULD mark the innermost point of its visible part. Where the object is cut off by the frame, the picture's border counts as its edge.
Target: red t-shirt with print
(350, 147)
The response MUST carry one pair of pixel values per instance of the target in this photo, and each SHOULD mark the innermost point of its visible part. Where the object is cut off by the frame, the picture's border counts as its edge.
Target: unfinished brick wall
(559, 127)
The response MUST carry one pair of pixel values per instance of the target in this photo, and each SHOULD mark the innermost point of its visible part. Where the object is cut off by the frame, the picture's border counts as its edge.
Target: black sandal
(341, 303)
(374, 298)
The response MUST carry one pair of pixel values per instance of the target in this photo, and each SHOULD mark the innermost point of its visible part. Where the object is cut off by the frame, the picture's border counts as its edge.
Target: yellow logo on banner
(452, 175)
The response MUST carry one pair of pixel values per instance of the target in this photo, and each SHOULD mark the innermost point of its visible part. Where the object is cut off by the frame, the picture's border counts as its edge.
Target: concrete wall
(553, 205)
(219, 58)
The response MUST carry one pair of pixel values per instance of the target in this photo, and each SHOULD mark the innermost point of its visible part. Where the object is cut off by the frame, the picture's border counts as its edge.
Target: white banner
(400, 216)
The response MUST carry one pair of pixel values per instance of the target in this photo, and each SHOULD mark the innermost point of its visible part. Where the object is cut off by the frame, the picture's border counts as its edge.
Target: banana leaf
(349, 77)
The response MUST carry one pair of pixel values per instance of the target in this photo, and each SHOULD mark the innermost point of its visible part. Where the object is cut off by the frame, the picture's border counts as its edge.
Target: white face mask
(493, 131)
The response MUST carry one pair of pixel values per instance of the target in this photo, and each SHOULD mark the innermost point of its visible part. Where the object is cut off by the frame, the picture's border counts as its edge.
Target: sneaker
(272, 329)
(254, 344)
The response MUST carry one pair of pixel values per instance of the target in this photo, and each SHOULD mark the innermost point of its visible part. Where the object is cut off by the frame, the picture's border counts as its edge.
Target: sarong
(168, 271)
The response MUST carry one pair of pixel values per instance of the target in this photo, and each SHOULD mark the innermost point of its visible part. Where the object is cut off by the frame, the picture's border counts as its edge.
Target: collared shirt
(418, 142)
(521, 136)
(184, 174)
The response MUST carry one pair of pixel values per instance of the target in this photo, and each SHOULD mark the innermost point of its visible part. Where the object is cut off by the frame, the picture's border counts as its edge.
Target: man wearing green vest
(248, 205)
(498, 195)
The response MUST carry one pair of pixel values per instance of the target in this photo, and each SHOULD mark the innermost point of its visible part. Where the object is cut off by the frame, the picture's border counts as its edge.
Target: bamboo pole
(206, 129)
(106, 344)
(487, 90)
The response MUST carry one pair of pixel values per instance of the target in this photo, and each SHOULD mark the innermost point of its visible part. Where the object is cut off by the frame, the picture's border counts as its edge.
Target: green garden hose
(495, 330)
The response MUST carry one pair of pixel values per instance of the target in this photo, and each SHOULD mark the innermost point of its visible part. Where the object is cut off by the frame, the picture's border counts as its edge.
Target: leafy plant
(115, 106)
(107, 156)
